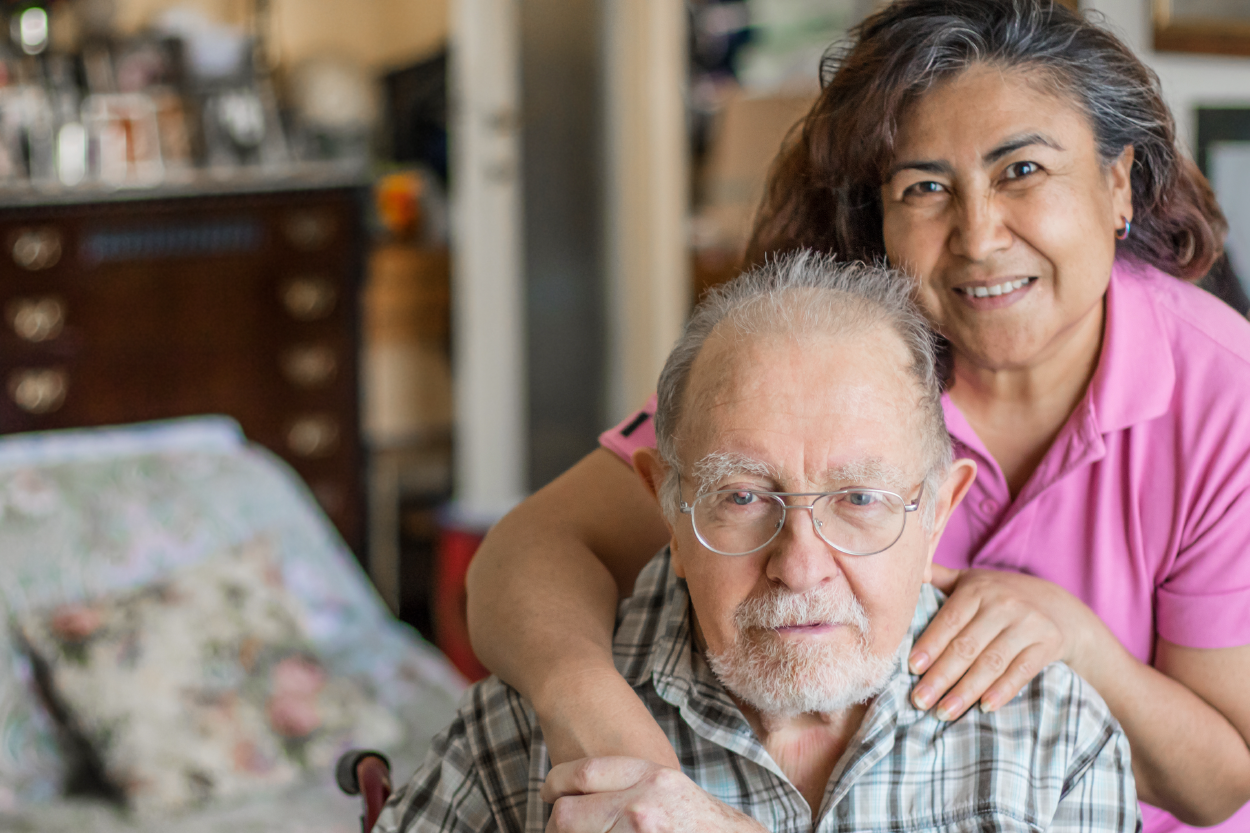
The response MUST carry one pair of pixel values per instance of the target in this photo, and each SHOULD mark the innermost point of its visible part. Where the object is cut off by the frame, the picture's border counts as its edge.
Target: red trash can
(451, 623)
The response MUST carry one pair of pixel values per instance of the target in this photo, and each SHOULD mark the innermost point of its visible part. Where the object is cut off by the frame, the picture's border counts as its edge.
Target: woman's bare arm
(1187, 721)
(543, 590)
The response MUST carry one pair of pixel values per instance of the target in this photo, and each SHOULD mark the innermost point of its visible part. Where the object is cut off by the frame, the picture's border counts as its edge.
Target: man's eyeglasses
(853, 521)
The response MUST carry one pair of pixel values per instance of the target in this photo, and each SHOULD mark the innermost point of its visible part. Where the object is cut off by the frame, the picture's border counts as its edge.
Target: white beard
(783, 678)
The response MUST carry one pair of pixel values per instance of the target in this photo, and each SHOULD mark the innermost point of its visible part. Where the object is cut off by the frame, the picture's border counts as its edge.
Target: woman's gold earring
(1122, 234)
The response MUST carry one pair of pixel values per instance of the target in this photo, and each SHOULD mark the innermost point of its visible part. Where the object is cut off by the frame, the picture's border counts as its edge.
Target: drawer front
(241, 306)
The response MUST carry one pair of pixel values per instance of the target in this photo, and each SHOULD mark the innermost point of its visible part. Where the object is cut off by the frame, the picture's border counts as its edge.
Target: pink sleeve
(1205, 600)
(636, 431)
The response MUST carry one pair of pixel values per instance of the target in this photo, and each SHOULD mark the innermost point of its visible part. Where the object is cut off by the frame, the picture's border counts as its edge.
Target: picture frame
(1223, 156)
(1212, 27)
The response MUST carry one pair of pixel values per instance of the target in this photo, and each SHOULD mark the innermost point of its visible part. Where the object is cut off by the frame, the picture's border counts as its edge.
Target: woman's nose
(800, 558)
(979, 229)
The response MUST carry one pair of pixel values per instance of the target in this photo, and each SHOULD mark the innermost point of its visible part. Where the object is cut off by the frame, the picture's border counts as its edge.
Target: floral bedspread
(88, 513)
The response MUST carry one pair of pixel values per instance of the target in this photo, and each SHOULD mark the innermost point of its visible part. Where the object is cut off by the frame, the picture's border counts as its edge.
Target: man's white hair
(801, 294)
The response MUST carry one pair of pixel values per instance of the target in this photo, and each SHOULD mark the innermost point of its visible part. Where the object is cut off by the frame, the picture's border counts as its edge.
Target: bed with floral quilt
(188, 644)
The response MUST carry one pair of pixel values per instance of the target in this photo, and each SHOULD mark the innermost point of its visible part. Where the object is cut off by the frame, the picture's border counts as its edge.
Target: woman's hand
(996, 631)
(627, 795)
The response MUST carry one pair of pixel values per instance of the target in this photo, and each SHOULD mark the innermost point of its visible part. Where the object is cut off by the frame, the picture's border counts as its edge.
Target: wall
(1188, 80)
(561, 106)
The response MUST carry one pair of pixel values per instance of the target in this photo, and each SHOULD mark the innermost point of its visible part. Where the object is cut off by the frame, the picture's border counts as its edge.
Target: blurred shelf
(192, 183)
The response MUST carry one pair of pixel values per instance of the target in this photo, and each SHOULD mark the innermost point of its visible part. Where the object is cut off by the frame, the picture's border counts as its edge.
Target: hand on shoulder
(993, 635)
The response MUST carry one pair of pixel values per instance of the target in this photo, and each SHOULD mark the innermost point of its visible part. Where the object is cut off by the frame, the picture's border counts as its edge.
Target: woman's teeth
(997, 289)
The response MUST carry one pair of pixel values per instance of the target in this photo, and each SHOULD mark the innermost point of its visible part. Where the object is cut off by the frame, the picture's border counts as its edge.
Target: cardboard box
(749, 133)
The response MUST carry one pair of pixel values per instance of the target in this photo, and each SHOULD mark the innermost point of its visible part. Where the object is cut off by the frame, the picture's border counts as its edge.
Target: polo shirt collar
(1136, 373)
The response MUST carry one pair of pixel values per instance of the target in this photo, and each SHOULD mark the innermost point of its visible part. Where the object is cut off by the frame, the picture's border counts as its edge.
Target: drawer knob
(36, 319)
(309, 299)
(37, 248)
(313, 436)
(310, 365)
(309, 231)
(38, 391)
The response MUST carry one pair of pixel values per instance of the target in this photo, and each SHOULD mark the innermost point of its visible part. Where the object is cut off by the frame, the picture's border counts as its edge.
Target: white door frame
(488, 308)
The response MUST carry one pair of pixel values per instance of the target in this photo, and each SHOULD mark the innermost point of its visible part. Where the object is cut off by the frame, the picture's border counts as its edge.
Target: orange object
(398, 199)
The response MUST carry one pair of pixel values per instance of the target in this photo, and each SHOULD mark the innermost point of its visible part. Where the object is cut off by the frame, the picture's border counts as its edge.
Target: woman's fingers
(1020, 673)
(1004, 667)
(594, 775)
(970, 643)
(946, 626)
(994, 634)
(956, 657)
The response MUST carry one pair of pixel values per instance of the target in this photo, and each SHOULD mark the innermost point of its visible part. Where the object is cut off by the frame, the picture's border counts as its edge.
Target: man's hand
(597, 795)
(994, 634)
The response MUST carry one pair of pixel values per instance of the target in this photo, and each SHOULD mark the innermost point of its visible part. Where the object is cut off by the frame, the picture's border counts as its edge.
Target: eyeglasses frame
(908, 508)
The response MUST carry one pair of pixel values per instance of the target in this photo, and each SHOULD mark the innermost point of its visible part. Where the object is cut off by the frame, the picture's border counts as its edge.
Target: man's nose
(800, 559)
(979, 230)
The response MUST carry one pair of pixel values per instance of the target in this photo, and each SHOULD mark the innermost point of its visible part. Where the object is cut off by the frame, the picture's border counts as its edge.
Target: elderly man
(805, 473)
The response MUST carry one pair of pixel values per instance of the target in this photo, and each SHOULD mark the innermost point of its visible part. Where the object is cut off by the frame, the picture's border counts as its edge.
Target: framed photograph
(1224, 156)
(1219, 27)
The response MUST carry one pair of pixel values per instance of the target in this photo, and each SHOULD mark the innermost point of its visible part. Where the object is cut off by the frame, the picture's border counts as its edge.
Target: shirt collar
(1136, 373)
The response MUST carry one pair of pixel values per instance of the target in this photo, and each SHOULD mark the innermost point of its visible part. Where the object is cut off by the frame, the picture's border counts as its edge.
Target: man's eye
(743, 498)
(1019, 170)
(860, 498)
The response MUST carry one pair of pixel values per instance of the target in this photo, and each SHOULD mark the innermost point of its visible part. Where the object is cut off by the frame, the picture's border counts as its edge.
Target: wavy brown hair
(824, 187)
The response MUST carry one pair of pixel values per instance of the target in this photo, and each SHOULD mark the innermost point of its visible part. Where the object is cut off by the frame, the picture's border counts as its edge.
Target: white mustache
(778, 608)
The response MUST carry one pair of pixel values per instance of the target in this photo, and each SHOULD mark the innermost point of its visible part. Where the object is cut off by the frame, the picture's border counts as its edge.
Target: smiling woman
(1002, 206)
(1020, 163)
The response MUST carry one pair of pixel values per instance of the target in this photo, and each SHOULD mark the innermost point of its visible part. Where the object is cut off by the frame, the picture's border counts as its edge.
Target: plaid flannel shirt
(1051, 759)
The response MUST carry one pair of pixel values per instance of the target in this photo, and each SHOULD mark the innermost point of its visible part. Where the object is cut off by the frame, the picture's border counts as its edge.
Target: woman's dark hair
(824, 187)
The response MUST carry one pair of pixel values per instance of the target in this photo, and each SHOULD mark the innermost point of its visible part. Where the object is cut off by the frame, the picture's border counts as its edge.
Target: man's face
(799, 626)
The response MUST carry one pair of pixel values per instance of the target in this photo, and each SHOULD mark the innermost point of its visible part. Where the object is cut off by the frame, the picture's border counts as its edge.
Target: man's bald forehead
(729, 348)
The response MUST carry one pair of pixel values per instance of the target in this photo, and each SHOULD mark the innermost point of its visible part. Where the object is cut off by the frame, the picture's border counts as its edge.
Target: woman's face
(998, 201)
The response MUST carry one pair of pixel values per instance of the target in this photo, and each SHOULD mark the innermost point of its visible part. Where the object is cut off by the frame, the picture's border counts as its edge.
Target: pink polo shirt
(1141, 507)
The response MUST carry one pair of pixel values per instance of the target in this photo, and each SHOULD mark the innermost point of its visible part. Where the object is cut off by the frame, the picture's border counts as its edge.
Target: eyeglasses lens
(858, 522)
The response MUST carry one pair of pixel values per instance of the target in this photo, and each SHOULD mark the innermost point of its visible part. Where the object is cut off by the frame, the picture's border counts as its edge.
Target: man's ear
(652, 470)
(956, 485)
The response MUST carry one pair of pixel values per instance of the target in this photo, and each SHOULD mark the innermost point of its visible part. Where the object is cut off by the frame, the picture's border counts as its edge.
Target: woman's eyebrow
(936, 166)
(927, 166)
(1015, 143)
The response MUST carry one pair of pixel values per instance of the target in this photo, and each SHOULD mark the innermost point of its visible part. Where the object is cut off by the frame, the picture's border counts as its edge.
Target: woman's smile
(994, 294)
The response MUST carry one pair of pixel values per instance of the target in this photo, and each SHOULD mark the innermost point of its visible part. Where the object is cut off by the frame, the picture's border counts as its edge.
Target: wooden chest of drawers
(243, 304)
